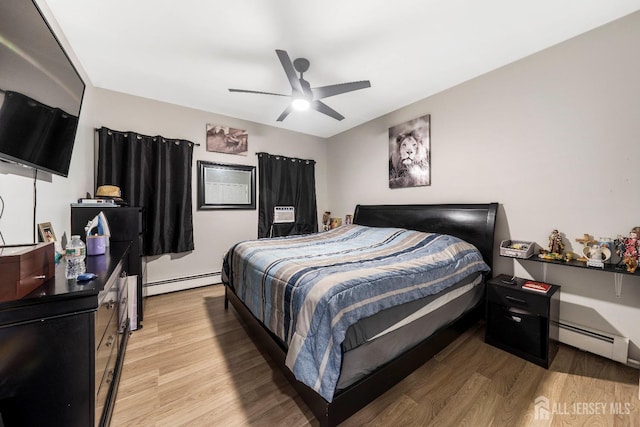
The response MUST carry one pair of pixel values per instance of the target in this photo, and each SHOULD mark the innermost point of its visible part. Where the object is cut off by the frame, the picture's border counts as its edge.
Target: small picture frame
(46, 233)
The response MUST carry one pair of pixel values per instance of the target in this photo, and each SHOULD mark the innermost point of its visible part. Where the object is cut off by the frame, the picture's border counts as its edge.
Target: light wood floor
(192, 364)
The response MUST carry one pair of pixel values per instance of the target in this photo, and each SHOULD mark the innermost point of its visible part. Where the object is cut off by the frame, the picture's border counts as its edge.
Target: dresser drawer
(123, 297)
(517, 298)
(104, 350)
(104, 315)
(104, 386)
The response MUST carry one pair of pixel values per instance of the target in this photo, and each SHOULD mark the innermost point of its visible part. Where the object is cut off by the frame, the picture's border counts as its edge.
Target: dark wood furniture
(57, 368)
(521, 321)
(23, 268)
(127, 225)
(474, 223)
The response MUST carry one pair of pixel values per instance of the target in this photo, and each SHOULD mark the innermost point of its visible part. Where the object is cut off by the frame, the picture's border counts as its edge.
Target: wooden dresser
(62, 347)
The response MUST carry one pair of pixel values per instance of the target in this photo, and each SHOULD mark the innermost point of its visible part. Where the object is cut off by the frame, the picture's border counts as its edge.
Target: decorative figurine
(325, 220)
(597, 254)
(585, 241)
(631, 249)
(335, 223)
(556, 248)
(555, 243)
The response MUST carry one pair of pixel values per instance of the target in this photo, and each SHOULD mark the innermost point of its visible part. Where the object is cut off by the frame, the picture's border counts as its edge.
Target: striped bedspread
(309, 289)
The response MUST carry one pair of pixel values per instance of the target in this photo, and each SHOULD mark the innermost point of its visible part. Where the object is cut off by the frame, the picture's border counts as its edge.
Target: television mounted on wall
(41, 91)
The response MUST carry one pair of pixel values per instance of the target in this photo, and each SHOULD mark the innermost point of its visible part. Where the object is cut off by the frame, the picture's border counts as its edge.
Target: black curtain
(153, 173)
(286, 181)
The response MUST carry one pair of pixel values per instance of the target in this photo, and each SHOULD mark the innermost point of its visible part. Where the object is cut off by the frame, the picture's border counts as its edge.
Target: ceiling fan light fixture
(300, 104)
(304, 97)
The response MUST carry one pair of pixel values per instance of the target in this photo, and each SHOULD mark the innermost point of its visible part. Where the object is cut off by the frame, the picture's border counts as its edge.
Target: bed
(395, 330)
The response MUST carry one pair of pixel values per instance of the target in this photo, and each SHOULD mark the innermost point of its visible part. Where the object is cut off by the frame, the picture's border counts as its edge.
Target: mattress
(374, 341)
(392, 318)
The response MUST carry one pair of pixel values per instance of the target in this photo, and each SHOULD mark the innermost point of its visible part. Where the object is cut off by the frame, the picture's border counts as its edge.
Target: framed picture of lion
(409, 153)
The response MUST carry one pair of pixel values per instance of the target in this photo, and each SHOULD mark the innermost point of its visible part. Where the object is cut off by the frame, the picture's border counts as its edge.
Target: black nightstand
(521, 321)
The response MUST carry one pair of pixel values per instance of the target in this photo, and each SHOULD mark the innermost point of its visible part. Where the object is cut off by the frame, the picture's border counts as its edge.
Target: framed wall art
(223, 139)
(410, 153)
(225, 186)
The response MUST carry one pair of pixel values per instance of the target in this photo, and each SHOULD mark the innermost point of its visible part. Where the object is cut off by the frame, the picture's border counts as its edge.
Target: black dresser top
(59, 296)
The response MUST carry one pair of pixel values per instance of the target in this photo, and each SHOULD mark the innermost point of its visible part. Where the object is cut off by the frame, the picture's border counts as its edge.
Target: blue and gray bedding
(308, 290)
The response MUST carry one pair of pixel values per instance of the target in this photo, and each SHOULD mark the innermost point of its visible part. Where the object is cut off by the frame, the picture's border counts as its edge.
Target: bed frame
(474, 223)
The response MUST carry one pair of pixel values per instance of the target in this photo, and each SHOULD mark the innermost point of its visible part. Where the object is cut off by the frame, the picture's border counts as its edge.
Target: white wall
(554, 138)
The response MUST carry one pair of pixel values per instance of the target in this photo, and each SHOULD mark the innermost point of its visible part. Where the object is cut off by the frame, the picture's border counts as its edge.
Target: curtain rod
(285, 157)
(148, 136)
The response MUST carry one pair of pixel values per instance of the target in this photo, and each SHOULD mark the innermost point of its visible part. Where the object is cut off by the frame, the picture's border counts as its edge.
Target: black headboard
(474, 223)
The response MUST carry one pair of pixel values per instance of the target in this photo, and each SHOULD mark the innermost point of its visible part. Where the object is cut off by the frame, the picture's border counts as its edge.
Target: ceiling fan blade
(285, 113)
(325, 109)
(289, 70)
(327, 91)
(256, 91)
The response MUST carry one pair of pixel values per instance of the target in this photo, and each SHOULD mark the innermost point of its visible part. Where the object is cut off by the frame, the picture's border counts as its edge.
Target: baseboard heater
(606, 345)
(181, 283)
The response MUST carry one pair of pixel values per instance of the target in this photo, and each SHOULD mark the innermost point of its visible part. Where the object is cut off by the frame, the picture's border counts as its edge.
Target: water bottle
(75, 253)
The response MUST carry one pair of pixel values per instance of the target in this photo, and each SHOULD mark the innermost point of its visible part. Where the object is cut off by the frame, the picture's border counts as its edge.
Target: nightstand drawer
(518, 329)
(517, 298)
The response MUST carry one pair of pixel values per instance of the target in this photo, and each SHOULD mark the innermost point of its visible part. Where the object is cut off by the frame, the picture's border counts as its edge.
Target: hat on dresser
(109, 192)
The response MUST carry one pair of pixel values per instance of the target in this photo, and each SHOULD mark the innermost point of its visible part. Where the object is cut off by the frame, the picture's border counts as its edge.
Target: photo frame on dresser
(45, 232)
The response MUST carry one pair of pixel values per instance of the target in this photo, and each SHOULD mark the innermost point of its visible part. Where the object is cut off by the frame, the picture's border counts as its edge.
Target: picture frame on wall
(45, 231)
(410, 153)
(225, 139)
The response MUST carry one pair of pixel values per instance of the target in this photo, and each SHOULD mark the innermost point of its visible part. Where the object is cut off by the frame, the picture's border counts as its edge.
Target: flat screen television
(40, 91)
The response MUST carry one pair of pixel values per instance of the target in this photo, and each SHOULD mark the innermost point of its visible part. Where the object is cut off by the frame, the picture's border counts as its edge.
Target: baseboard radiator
(606, 345)
(180, 283)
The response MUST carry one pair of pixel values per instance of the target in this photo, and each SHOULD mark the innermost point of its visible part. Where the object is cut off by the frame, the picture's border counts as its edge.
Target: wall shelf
(618, 271)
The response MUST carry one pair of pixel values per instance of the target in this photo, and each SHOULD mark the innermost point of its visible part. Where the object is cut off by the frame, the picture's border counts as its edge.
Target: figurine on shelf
(585, 241)
(631, 249)
(551, 256)
(325, 220)
(556, 248)
(555, 243)
(597, 254)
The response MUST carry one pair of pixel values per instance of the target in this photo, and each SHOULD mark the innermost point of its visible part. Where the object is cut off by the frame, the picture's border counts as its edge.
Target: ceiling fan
(304, 96)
